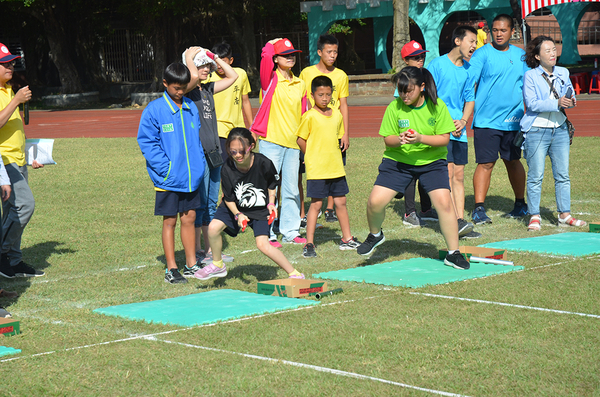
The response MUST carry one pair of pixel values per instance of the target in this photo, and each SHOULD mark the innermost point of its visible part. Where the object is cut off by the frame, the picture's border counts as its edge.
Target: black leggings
(409, 198)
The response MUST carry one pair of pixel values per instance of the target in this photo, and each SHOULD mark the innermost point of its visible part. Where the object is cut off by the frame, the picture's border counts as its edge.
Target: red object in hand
(244, 224)
(210, 55)
(413, 132)
(271, 218)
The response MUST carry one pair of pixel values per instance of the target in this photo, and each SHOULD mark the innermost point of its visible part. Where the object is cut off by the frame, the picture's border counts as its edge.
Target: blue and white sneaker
(480, 217)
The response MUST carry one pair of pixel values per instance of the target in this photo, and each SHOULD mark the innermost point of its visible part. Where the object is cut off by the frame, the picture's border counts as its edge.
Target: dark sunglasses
(242, 152)
(419, 57)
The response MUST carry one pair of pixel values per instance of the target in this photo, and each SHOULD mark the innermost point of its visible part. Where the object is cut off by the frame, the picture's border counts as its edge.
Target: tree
(401, 31)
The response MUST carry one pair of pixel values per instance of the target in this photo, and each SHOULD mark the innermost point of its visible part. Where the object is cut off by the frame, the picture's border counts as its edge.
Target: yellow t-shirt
(337, 76)
(481, 36)
(228, 103)
(323, 157)
(12, 136)
(286, 111)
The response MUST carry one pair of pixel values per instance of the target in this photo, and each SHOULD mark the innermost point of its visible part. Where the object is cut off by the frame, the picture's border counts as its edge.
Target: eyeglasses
(236, 152)
(206, 65)
(292, 55)
(10, 64)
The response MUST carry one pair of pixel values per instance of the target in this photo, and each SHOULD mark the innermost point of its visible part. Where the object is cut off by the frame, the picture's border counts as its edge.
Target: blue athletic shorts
(397, 176)
(321, 188)
(489, 142)
(458, 152)
(260, 227)
(172, 203)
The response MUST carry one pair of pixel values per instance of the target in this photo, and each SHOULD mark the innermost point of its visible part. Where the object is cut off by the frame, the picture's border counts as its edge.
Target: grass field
(95, 236)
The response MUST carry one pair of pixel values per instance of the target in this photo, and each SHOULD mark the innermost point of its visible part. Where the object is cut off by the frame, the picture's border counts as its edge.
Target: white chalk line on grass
(310, 366)
(142, 336)
(542, 309)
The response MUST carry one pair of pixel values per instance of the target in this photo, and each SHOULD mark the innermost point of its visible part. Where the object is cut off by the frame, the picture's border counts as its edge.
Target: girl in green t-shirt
(416, 129)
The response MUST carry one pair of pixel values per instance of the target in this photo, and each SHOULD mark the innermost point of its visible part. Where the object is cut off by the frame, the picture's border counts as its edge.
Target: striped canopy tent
(568, 13)
(529, 6)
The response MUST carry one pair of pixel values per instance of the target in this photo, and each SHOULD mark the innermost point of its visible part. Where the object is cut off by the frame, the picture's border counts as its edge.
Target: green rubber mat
(7, 351)
(204, 308)
(415, 273)
(572, 243)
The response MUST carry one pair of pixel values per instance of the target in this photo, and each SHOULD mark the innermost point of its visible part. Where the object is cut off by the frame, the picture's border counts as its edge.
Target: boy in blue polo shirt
(169, 140)
(454, 86)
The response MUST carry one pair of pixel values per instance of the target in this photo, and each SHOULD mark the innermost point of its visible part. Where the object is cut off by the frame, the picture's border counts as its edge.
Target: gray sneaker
(464, 227)
(4, 313)
(412, 220)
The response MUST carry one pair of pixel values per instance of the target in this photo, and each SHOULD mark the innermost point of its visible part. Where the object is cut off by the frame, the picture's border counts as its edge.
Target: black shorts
(321, 188)
(260, 227)
(489, 142)
(172, 203)
(397, 176)
(458, 152)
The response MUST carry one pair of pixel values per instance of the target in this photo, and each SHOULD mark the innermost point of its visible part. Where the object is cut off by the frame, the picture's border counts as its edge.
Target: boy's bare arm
(190, 53)
(230, 75)
(302, 144)
(247, 110)
(345, 144)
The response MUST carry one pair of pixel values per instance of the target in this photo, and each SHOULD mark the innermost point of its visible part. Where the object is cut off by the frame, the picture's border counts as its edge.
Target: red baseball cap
(284, 47)
(411, 49)
(481, 24)
(5, 55)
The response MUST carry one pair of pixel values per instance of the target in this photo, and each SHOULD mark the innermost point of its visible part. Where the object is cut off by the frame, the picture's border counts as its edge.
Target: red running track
(118, 123)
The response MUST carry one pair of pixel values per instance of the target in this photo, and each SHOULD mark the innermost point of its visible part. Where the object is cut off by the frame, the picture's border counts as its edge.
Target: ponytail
(411, 75)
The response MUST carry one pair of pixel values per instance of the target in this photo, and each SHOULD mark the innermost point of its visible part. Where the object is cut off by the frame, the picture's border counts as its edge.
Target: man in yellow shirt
(232, 105)
(327, 48)
(18, 208)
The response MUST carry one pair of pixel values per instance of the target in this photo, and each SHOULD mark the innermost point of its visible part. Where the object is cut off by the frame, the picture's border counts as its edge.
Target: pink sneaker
(301, 276)
(296, 240)
(275, 243)
(210, 271)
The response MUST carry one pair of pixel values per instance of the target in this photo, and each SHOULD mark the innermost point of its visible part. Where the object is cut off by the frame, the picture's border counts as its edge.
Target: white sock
(378, 234)
(451, 251)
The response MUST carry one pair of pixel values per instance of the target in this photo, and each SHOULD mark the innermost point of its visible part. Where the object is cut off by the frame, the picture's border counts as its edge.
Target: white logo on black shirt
(248, 196)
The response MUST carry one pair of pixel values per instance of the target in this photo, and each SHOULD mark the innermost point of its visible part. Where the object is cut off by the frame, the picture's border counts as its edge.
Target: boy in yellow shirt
(327, 48)
(318, 134)
(232, 105)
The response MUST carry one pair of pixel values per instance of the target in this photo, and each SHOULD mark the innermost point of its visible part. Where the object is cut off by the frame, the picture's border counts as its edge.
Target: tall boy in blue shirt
(169, 139)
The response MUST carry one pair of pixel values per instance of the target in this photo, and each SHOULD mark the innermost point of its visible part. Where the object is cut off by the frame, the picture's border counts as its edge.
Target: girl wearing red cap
(284, 101)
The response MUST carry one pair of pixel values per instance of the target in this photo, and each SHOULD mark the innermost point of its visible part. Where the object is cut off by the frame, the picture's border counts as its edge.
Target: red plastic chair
(579, 81)
(592, 88)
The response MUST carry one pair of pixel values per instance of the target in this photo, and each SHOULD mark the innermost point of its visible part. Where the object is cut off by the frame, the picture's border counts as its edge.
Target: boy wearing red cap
(17, 208)
(481, 35)
(413, 54)
(284, 101)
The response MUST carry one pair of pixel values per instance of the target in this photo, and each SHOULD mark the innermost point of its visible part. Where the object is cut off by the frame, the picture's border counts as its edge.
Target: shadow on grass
(242, 272)
(37, 257)
(391, 248)
(180, 255)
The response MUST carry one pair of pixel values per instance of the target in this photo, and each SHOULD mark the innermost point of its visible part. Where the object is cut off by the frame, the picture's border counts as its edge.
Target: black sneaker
(172, 276)
(351, 244)
(24, 270)
(309, 251)
(471, 235)
(4, 313)
(6, 270)
(457, 261)
(189, 271)
(464, 227)
(370, 243)
(330, 216)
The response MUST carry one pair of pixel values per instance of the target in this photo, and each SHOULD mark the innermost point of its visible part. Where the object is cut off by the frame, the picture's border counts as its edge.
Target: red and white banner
(528, 6)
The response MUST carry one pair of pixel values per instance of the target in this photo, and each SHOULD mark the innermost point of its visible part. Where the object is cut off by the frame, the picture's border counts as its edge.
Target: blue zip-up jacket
(170, 141)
